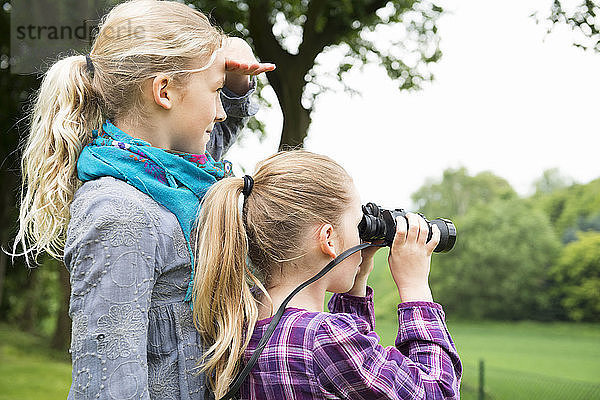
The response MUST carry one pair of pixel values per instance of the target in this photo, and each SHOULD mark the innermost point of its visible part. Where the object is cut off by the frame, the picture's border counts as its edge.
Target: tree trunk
(3, 260)
(288, 79)
(7, 204)
(296, 120)
(62, 333)
(288, 82)
(29, 315)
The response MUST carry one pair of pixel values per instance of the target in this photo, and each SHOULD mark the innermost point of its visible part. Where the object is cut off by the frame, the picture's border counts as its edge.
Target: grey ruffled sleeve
(238, 110)
(111, 254)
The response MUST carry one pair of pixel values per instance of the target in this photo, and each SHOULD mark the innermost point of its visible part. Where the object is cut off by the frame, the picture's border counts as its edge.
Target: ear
(326, 240)
(160, 93)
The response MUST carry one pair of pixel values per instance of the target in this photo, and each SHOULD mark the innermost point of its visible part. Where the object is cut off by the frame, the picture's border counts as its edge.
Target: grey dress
(132, 334)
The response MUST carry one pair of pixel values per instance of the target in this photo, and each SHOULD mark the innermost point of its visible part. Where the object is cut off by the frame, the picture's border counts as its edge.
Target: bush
(577, 277)
(499, 268)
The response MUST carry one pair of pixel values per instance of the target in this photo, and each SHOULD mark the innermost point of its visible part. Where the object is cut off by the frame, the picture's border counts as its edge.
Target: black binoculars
(380, 224)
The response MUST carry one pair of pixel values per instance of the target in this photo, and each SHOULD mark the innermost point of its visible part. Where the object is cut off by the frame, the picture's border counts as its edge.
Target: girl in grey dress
(123, 144)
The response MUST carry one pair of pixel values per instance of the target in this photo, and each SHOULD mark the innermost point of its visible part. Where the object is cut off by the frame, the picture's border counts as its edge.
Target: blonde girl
(113, 172)
(301, 212)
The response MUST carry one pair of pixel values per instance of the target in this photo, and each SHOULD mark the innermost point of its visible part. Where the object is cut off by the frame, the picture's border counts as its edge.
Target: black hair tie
(248, 185)
(90, 66)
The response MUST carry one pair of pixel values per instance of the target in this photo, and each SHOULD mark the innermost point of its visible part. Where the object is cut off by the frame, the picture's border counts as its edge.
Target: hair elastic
(90, 65)
(248, 185)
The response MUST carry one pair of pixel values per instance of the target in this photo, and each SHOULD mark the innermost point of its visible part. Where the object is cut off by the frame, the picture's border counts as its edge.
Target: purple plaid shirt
(318, 355)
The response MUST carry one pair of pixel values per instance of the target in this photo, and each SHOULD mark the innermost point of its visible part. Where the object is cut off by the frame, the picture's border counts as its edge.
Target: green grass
(29, 370)
(556, 350)
(559, 350)
(523, 360)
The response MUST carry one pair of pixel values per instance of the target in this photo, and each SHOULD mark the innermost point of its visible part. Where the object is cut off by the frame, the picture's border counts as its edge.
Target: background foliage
(536, 257)
(499, 269)
(293, 33)
(581, 19)
(576, 278)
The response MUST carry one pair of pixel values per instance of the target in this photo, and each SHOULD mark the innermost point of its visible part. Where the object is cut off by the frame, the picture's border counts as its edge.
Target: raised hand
(365, 268)
(246, 68)
(240, 64)
(410, 257)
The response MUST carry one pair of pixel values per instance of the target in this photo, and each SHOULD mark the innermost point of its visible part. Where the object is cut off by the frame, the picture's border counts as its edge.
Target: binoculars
(380, 224)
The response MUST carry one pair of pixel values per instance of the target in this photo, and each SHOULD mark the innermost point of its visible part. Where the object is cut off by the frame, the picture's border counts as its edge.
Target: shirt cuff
(240, 106)
(423, 337)
(411, 304)
(421, 321)
(357, 305)
(362, 299)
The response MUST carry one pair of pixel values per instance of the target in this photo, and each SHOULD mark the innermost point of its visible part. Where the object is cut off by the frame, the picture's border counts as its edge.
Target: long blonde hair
(136, 40)
(292, 191)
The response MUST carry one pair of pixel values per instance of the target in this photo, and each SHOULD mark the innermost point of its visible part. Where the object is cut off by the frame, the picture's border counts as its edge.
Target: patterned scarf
(178, 181)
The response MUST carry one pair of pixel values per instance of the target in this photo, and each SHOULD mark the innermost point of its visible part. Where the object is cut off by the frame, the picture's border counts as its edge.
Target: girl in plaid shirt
(301, 213)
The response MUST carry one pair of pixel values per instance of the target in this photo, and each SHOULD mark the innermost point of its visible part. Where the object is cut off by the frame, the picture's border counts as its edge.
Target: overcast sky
(507, 98)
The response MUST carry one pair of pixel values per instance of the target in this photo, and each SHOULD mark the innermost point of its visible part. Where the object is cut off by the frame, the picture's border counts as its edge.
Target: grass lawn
(523, 360)
(29, 370)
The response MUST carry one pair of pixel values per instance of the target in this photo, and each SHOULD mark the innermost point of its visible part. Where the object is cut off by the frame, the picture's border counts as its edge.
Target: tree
(577, 277)
(571, 209)
(35, 298)
(17, 89)
(551, 181)
(582, 18)
(457, 192)
(499, 268)
(270, 26)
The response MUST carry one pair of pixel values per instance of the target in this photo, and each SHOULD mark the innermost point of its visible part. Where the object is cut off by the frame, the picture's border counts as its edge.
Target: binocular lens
(447, 234)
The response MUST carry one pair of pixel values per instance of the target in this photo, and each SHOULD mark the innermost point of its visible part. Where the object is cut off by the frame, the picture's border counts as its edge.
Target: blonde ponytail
(223, 303)
(65, 110)
(293, 190)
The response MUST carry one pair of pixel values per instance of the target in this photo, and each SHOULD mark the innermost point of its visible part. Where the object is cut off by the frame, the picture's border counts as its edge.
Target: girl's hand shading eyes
(247, 69)
(240, 63)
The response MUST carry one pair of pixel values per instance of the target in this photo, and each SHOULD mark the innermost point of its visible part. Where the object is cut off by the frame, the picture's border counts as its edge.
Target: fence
(483, 382)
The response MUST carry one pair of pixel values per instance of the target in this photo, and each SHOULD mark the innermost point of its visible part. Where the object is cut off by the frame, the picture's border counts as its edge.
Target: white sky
(507, 98)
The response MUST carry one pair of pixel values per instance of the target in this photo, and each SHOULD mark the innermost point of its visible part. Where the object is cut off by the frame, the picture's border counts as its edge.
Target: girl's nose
(221, 115)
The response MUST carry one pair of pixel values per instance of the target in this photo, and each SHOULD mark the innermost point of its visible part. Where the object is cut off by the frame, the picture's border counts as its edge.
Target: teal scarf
(178, 181)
